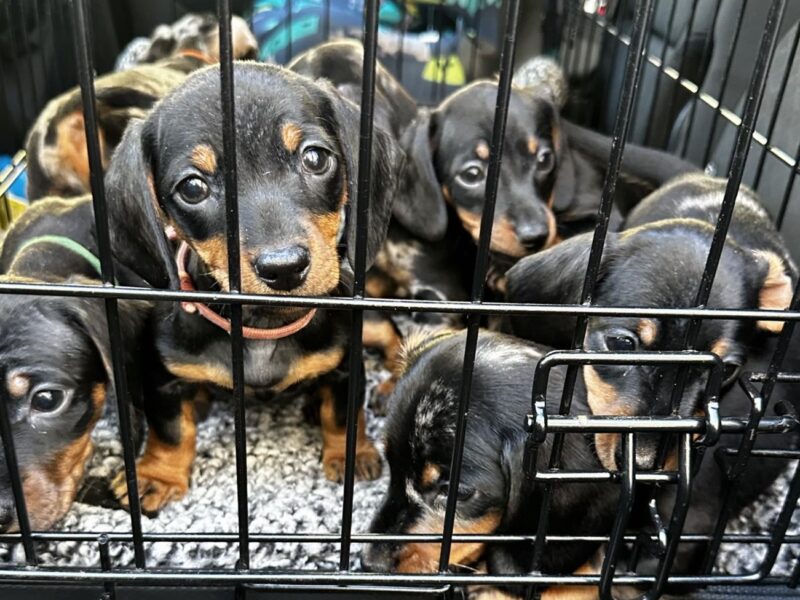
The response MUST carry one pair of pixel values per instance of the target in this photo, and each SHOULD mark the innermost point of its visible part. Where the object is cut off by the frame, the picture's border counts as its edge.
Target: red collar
(250, 333)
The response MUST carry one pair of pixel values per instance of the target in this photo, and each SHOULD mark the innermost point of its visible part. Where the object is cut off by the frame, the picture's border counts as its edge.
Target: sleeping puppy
(55, 357)
(297, 147)
(550, 181)
(56, 148)
(495, 495)
(658, 262)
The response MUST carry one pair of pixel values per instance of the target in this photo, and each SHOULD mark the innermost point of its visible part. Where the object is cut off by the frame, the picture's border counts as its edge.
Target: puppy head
(297, 147)
(448, 151)
(657, 265)
(420, 436)
(55, 372)
(199, 32)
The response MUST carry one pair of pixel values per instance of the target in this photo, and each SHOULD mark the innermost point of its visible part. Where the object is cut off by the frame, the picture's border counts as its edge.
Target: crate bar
(755, 94)
(105, 565)
(355, 385)
(624, 509)
(28, 52)
(632, 75)
(684, 51)
(724, 83)
(391, 305)
(587, 63)
(12, 26)
(183, 577)
(473, 54)
(793, 173)
(84, 58)
(703, 60)
(782, 524)
(575, 48)
(479, 272)
(12, 464)
(427, 538)
(777, 108)
(660, 77)
(234, 272)
(570, 26)
(11, 173)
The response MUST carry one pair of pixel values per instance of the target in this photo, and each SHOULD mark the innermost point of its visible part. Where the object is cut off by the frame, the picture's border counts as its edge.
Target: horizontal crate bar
(392, 305)
(608, 424)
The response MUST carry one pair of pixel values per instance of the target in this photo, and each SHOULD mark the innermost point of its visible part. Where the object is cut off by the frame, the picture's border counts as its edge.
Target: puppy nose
(532, 235)
(283, 269)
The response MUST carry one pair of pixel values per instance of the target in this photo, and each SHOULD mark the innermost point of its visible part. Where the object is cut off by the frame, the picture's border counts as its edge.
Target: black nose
(378, 558)
(283, 269)
(7, 513)
(532, 235)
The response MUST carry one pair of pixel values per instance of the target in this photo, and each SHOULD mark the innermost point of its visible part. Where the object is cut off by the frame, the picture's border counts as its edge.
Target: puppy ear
(775, 287)
(420, 205)
(511, 465)
(387, 163)
(554, 276)
(138, 241)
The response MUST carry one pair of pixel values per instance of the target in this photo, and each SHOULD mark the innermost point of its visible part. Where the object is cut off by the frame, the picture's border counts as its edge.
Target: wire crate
(714, 81)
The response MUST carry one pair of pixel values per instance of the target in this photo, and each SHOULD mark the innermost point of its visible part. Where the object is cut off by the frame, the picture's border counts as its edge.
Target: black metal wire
(479, 272)
(234, 272)
(84, 59)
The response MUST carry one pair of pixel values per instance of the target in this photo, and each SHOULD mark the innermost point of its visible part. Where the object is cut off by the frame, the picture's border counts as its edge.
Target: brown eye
(193, 190)
(316, 160)
(619, 342)
(48, 400)
(473, 175)
(545, 160)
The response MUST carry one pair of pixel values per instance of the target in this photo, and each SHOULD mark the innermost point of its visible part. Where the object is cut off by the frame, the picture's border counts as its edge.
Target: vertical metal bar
(679, 512)
(23, 105)
(473, 56)
(632, 75)
(575, 49)
(29, 56)
(568, 40)
(479, 273)
(16, 479)
(289, 22)
(660, 75)
(84, 59)
(694, 99)
(105, 564)
(624, 509)
(234, 272)
(777, 108)
(326, 23)
(787, 193)
(355, 388)
(725, 77)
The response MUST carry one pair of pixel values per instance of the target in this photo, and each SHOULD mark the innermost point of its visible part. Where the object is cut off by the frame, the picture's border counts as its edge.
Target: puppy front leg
(164, 469)
(333, 418)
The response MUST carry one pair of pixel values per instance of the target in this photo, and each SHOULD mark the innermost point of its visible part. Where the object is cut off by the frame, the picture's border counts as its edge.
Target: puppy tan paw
(157, 487)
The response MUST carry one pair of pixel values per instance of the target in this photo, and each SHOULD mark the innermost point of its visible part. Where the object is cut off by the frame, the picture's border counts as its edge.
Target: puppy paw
(368, 463)
(157, 488)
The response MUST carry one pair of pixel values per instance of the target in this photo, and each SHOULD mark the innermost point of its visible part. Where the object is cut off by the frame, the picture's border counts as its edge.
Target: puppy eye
(545, 160)
(464, 493)
(48, 400)
(472, 176)
(316, 160)
(620, 342)
(193, 190)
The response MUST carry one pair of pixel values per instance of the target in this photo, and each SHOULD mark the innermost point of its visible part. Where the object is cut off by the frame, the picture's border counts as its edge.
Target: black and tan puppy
(494, 495)
(297, 146)
(58, 163)
(658, 262)
(550, 180)
(55, 362)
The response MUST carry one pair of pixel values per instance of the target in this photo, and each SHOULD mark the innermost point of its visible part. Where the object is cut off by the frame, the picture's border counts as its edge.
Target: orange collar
(198, 55)
(250, 333)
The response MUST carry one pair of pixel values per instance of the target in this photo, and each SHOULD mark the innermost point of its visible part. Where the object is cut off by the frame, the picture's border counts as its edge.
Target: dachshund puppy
(297, 147)
(495, 495)
(658, 262)
(55, 358)
(550, 181)
(58, 163)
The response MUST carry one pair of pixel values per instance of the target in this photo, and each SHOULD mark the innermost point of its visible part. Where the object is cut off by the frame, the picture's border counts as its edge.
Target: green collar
(68, 244)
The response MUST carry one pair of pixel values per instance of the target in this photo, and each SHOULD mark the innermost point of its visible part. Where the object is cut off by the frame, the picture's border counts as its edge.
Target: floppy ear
(420, 206)
(554, 276)
(775, 287)
(511, 464)
(387, 162)
(138, 241)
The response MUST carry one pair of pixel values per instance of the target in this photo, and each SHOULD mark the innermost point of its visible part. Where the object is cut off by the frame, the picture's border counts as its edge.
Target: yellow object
(447, 69)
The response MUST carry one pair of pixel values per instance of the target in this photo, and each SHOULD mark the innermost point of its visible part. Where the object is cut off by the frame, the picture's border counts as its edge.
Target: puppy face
(456, 140)
(53, 384)
(637, 275)
(296, 148)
